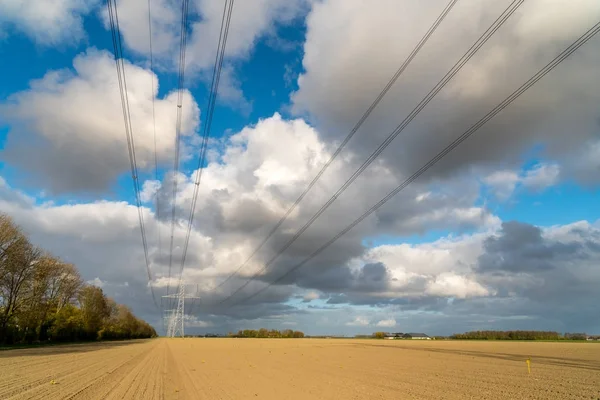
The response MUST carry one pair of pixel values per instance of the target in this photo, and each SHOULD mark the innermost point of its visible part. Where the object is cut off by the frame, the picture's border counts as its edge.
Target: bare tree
(17, 265)
(10, 237)
(62, 283)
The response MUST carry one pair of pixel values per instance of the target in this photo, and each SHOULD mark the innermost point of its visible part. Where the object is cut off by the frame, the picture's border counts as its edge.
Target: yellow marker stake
(528, 361)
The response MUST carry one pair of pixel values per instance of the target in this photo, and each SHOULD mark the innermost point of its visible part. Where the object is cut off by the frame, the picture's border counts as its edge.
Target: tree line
(43, 299)
(518, 335)
(266, 333)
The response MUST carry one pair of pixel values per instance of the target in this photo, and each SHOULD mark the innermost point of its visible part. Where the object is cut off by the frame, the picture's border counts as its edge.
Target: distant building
(393, 335)
(420, 336)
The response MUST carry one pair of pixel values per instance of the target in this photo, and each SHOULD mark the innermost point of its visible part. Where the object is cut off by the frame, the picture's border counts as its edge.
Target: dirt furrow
(107, 380)
(228, 369)
(66, 375)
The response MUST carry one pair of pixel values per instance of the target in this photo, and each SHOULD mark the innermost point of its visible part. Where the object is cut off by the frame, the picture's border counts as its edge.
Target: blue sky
(262, 78)
(297, 76)
(268, 79)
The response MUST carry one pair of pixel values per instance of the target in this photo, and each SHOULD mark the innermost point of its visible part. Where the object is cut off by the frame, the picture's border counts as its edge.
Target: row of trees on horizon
(518, 335)
(501, 335)
(44, 299)
(266, 333)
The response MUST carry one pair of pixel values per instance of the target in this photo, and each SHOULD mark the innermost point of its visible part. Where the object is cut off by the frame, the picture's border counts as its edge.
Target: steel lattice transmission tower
(176, 321)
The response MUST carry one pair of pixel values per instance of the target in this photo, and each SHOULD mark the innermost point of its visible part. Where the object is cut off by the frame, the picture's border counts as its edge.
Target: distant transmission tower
(175, 322)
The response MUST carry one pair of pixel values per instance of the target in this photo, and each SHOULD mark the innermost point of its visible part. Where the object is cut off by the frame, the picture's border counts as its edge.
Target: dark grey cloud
(520, 247)
(67, 172)
(336, 298)
(370, 291)
(251, 311)
(326, 278)
(546, 275)
(372, 277)
(542, 279)
(558, 112)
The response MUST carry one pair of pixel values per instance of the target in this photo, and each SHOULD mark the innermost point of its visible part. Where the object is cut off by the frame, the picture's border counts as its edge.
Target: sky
(501, 233)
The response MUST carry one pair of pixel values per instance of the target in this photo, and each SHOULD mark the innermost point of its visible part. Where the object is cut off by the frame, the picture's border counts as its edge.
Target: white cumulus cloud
(48, 22)
(359, 321)
(451, 285)
(96, 282)
(541, 176)
(387, 323)
(67, 129)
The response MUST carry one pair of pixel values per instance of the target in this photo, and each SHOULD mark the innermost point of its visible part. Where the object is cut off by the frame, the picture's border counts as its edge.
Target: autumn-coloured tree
(288, 333)
(18, 259)
(508, 335)
(263, 333)
(43, 298)
(94, 309)
(122, 324)
(54, 285)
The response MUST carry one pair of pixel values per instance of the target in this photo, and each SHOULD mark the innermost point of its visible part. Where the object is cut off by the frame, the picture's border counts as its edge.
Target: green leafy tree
(508, 335)
(287, 333)
(68, 325)
(576, 336)
(53, 285)
(94, 309)
(273, 333)
(263, 333)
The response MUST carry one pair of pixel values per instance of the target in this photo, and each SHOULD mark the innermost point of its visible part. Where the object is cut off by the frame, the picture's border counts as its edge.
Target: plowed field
(302, 369)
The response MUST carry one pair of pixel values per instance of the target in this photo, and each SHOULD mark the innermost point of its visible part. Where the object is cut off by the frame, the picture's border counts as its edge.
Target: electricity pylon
(175, 323)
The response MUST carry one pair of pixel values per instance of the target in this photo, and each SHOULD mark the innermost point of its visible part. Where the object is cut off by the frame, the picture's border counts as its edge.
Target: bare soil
(302, 369)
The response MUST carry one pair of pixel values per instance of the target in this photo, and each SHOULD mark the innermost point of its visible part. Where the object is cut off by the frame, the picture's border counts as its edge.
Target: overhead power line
(342, 145)
(180, 89)
(422, 104)
(120, 66)
(212, 99)
(218, 66)
(501, 106)
(156, 176)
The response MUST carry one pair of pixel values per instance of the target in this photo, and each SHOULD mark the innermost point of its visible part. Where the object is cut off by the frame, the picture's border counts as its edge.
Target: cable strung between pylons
(212, 99)
(474, 128)
(422, 104)
(181, 75)
(156, 175)
(342, 145)
(113, 18)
